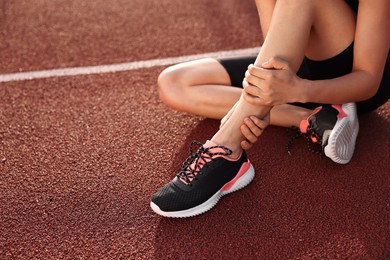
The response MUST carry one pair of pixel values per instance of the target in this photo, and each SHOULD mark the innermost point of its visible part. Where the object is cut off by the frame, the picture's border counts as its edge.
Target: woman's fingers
(261, 123)
(246, 145)
(252, 128)
(248, 134)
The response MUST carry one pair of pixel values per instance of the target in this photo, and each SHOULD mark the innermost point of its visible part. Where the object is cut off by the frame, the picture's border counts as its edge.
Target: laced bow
(194, 163)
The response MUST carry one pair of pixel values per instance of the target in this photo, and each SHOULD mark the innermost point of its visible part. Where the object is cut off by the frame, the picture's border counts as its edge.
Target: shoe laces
(194, 163)
(314, 140)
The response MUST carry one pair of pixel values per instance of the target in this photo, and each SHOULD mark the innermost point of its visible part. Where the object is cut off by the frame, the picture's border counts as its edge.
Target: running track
(81, 155)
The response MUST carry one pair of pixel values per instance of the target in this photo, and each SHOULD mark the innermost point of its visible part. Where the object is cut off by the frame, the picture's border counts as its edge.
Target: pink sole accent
(244, 168)
(341, 114)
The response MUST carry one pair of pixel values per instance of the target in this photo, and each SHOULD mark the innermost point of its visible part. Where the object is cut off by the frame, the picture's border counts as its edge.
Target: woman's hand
(252, 128)
(273, 84)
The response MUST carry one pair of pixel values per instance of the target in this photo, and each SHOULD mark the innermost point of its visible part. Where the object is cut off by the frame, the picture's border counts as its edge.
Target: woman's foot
(335, 127)
(204, 177)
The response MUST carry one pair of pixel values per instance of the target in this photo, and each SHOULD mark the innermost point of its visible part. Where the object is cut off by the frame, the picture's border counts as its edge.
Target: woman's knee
(170, 86)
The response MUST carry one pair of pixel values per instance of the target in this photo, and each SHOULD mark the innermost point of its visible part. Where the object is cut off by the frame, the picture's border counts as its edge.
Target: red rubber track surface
(81, 156)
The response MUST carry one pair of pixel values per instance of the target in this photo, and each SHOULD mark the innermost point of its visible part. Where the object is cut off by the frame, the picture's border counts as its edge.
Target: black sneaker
(335, 128)
(204, 177)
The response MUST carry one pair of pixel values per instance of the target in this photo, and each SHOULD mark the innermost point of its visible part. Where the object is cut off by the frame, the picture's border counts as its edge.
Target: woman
(322, 52)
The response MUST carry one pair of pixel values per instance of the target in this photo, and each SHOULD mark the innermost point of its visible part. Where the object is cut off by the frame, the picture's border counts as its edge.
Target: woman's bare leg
(295, 25)
(203, 88)
(200, 87)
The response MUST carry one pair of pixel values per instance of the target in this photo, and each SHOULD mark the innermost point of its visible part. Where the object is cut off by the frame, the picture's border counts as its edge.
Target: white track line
(19, 76)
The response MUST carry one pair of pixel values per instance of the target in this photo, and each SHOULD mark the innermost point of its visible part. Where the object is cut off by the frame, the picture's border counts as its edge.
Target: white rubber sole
(342, 140)
(243, 181)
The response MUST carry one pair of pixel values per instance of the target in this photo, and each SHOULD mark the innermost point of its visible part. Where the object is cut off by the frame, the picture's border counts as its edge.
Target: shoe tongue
(201, 162)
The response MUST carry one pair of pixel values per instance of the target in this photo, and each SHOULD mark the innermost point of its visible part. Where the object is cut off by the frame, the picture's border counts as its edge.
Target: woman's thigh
(206, 71)
(333, 27)
(200, 87)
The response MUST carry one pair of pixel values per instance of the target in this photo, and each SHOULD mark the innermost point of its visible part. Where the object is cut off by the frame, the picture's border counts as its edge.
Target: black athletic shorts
(334, 67)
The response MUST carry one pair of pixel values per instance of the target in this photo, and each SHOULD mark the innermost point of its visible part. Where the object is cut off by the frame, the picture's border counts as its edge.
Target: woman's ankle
(232, 144)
